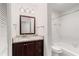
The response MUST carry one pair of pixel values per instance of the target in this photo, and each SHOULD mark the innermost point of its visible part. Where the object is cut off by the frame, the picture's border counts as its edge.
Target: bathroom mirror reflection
(27, 25)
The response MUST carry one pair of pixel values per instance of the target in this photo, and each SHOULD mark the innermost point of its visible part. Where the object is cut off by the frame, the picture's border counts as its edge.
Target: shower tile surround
(65, 31)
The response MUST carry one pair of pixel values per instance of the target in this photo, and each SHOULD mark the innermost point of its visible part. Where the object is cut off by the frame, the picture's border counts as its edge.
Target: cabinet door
(18, 49)
(29, 49)
(39, 48)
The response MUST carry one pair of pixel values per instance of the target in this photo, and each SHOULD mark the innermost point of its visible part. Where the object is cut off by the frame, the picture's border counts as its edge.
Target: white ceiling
(62, 7)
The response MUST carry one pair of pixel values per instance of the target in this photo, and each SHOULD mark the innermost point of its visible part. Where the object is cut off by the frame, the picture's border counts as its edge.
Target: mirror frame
(21, 23)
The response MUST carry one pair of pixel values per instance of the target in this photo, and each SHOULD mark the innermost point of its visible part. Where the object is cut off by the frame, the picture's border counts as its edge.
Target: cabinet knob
(25, 44)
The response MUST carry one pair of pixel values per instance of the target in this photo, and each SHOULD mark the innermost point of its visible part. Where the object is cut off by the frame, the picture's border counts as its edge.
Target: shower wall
(65, 30)
(3, 30)
(70, 29)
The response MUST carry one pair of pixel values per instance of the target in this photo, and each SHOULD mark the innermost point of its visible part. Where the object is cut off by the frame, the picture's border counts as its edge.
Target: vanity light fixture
(27, 10)
(30, 11)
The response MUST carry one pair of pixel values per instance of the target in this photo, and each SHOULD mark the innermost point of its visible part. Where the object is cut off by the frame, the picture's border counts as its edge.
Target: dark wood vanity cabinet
(30, 48)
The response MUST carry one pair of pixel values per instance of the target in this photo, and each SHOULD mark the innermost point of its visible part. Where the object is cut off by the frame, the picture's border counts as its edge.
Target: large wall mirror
(27, 25)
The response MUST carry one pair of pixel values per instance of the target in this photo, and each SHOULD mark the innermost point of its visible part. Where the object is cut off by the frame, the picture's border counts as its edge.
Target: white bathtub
(67, 50)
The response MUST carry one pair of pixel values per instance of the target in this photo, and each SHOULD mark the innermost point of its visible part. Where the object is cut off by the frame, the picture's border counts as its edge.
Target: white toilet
(56, 50)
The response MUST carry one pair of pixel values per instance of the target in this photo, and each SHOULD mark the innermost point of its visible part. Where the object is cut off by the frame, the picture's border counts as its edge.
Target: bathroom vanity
(32, 46)
(27, 43)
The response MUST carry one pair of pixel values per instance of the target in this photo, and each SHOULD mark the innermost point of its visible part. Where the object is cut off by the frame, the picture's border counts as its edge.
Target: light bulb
(32, 11)
(22, 10)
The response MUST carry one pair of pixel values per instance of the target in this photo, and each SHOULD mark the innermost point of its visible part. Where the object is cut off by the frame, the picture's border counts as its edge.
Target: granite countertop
(26, 38)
